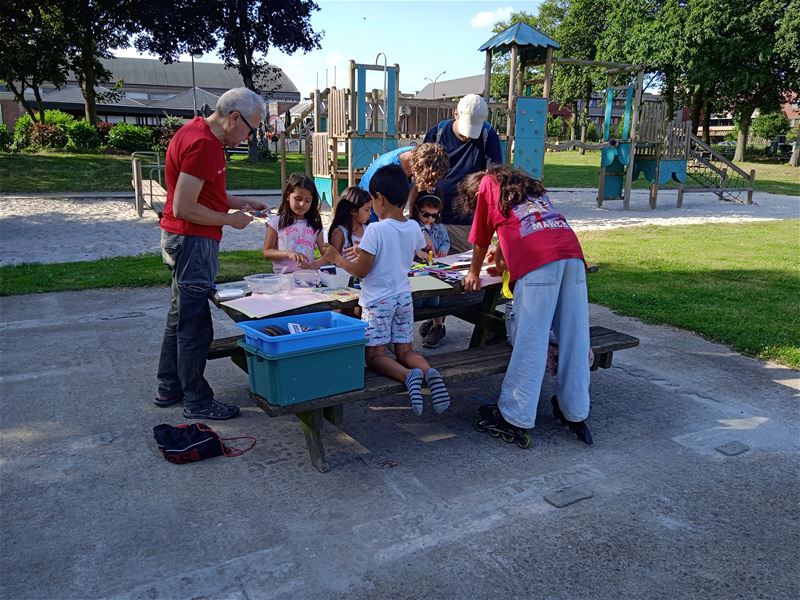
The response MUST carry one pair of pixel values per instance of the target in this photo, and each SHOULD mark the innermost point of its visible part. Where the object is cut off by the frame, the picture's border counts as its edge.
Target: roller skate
(492, 422)
(579, 428)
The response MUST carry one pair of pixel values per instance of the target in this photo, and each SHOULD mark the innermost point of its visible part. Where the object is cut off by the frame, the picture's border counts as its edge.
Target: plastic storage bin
(305, 375)
(337, 329)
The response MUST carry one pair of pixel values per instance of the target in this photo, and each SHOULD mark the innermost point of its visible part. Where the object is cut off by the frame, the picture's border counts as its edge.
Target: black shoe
(425, 328)
(579, 428)
(166, 402)
(214, 411)
(492, 422)
(435, 335)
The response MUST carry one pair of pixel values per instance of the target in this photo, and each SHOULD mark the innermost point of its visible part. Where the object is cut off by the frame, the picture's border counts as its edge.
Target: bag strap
(231, 451)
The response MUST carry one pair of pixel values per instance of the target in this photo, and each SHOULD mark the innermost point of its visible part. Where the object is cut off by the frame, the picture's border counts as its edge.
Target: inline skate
(579, 428)
(492, 422)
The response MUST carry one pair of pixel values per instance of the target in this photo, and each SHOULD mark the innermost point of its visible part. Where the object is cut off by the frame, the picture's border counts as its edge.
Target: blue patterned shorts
(390, 320)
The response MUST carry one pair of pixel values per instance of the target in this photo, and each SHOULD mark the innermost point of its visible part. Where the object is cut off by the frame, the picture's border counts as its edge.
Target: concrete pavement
(90, 509)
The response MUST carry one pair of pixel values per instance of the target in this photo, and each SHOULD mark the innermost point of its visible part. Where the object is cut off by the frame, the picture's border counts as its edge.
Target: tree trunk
(707, 120)
(39, 104)
(669, 92)
(697, 105)
(744, 132)
(87, 80)
(585, 118)
(20, 96)
(573, 122)
(795, 160)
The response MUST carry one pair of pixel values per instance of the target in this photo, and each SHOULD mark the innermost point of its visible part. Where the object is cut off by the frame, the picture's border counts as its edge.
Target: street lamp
(433, 81)
(192, 54)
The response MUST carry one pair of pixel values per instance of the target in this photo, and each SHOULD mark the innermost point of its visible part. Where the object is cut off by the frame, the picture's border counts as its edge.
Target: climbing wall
(529, 134)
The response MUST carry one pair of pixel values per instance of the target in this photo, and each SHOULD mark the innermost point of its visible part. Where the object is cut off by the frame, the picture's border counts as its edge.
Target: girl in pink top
(548, 276)
(293, 234)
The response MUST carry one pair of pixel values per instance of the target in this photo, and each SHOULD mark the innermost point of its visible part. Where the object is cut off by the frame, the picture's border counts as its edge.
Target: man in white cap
(471, 145)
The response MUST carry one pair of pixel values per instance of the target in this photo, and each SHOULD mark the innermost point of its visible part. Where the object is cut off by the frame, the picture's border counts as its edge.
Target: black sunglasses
(428, 215)
(241, 116)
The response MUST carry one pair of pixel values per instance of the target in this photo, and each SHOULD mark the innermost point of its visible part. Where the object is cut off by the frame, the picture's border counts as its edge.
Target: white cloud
(484, 20)
(334, 59)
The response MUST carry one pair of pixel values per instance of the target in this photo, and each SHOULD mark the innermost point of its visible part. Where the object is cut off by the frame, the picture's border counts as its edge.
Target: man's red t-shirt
(532, 235)
(196, 151)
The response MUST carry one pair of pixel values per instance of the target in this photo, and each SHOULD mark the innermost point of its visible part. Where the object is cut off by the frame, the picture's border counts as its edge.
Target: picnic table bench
(479, 360)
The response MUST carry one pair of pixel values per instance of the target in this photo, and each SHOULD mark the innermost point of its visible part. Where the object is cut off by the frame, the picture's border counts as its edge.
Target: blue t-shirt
(465, 158)
(390, 158)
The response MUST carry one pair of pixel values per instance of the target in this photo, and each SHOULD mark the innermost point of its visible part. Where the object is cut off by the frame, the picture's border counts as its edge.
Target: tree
(92, 28)
(244, 29)
(768, 126)
(786, 46)
(33, 52)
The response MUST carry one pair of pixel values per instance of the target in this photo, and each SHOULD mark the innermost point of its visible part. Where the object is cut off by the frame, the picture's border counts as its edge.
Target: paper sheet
(260, 305)
(427, 282)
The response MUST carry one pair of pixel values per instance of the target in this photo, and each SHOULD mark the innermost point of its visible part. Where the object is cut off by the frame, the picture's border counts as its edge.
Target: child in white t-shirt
(293, 234)
(384, 258)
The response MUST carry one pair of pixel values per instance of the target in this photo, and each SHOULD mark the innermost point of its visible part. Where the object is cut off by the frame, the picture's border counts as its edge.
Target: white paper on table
(427, 282)
(461, 260)
(485, 278)
(262, 305)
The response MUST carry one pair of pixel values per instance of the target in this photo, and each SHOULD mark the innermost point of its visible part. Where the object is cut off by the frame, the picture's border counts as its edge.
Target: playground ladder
(714, 172)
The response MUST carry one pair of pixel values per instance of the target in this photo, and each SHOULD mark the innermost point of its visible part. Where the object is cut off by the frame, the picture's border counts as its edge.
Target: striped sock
(439, 395)
(414, 385)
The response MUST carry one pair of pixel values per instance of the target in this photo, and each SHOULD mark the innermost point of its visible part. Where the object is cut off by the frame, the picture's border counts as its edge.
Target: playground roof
(532, 43)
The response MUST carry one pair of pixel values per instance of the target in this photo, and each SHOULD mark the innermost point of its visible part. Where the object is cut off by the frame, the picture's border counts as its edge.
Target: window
(160, 96)
(136, 95)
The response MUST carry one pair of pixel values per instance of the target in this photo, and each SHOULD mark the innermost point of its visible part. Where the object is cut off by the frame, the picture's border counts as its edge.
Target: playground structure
(354, 125)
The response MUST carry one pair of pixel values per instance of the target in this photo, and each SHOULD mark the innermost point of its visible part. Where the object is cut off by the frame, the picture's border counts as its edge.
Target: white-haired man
(197, 208)
(472, 145)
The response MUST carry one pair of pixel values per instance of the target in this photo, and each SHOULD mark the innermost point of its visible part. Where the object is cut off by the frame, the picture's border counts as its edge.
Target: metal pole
(194, 87)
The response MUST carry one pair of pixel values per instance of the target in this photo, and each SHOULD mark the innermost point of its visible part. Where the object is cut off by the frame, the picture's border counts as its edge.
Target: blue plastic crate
(305, 375)
(337, 329)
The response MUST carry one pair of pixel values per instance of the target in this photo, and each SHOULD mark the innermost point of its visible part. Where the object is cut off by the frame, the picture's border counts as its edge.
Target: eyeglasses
(428, 215)
(241, 116)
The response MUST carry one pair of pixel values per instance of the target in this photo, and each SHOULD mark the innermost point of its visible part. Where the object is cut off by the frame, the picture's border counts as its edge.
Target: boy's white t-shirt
(393, 243)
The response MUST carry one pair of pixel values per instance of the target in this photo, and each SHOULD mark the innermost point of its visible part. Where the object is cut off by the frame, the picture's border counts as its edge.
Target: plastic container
(328, 329)
(306, 374)
(267, 283)
(340, 279)
(306, 278)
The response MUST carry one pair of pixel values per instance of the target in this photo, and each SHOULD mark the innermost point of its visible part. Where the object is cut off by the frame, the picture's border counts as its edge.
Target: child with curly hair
(424, 165)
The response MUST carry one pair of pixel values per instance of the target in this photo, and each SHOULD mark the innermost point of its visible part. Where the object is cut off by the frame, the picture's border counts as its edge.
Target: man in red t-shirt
(196, 210)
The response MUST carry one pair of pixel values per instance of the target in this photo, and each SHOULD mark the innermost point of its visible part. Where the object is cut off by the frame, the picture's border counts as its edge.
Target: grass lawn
(736, 284)
(47, 172)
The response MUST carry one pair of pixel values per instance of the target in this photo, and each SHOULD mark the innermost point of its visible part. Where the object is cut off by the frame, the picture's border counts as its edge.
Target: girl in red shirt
(548, 277)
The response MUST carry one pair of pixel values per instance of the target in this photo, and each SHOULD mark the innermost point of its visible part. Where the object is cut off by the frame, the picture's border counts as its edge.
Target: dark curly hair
(351, 200)
(516, 187)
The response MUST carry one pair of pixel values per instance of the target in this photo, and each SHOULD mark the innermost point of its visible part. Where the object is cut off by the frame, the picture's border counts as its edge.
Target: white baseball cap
(472, 112)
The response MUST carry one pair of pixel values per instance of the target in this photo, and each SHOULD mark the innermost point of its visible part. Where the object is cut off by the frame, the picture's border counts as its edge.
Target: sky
(424, 37)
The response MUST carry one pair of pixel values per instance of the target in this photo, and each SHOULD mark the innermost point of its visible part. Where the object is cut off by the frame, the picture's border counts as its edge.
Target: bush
(164, 133)
(6, 137)
(22, 132)
(47, 137)
(58, 118)
(103, 129)
(82, 136)
(555, 127)
(591, 134)
(130, 138)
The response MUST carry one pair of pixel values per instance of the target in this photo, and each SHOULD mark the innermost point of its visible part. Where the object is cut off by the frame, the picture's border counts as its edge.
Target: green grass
(53, 173)
(122, 272)
(735, 284)
(46, 172)
(570, 169)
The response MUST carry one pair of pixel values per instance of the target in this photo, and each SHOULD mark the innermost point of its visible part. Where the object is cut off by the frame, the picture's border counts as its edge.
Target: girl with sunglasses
(427, 211)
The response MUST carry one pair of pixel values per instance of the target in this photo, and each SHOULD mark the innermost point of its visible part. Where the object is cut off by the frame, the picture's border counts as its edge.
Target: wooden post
(282, 141)
(487, 76)
(317, 109)
(654, 186)
(723, 177)
(548, 73)
(512, 86)
(351, 173)
(308, 153)
(680, 195)
(312, 429)
(626, 201)
(352, 115)
(752, 186)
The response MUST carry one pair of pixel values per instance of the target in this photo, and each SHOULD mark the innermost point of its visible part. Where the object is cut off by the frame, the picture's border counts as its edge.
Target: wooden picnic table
(479, 359)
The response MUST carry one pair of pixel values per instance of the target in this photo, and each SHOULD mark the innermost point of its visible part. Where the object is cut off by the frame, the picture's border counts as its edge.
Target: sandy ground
(52, 230)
